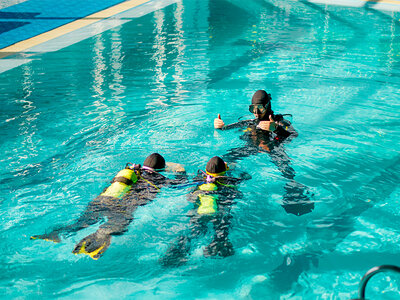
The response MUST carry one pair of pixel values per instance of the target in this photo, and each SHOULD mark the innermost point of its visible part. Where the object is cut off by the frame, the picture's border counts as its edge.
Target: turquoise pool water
(71, 119)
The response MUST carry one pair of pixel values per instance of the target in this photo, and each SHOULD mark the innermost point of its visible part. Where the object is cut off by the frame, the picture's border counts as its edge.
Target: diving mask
(257, 108)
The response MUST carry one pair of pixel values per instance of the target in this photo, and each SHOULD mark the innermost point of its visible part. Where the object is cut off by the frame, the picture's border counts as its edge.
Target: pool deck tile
(31, 18)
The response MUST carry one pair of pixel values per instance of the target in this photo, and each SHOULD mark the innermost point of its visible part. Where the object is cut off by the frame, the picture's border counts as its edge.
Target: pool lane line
(67, 28)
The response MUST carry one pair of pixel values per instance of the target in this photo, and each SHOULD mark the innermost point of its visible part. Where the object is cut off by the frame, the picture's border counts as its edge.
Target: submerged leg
(324, 235)
(239, 153)
(220, 245)
(177, 253)
(97, 243)
(296, 199)
(89, 217)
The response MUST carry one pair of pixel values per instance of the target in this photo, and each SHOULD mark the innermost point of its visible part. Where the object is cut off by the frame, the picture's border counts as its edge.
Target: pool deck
(28, 27)
(33, 22)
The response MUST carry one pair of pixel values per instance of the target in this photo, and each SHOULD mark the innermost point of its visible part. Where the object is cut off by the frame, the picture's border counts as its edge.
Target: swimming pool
(72, 118)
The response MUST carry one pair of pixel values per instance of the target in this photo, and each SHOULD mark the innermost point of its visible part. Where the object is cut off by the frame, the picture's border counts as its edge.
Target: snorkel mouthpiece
(132, 166)
(210, 179)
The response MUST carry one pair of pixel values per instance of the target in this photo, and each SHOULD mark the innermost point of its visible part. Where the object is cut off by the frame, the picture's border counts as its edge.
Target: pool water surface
(72, 118)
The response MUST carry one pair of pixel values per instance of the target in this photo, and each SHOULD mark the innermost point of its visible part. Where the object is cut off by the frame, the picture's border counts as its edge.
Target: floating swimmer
(213, 198)
(132, 187)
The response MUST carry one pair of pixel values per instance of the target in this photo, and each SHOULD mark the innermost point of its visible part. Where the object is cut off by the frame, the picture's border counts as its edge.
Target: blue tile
(28, 19)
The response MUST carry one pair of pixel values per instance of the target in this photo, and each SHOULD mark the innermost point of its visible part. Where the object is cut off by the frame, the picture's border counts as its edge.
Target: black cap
(261, 97)
(216, 165)
(154, 161)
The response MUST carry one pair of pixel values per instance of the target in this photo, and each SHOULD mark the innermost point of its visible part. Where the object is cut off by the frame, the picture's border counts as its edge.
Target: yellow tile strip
(59, 31)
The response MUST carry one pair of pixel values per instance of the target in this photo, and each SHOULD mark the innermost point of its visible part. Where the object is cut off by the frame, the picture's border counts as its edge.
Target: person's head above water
(261, 104)
(154, 161)
(216, 166)
(261, 97)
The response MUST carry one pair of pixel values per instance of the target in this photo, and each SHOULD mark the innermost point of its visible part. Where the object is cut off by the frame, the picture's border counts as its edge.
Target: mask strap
(148, 168)
(152, 170)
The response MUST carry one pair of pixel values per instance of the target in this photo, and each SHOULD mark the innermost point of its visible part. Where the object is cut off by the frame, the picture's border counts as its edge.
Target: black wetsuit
(295, 200)
(225, 196)
(117, 211)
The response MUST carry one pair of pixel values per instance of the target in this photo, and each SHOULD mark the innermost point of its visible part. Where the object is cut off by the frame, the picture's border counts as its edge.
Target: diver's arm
(281, 132)
(240, 153)
(220, 124)
(285, 130)
(239, 124)
(244, 176)
(174, 167)
(180, 178)
(179, 172)
(278, 125)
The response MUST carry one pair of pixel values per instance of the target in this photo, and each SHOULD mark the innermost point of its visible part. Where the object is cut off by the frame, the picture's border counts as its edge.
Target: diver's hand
(51, 237)
(268, 125)
(222, 248)
(218, 123)
(174, 167)
(93, 245)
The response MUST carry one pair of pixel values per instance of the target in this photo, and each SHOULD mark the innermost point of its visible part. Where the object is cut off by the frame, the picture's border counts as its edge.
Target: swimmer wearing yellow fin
(132, 187)
(213, 198)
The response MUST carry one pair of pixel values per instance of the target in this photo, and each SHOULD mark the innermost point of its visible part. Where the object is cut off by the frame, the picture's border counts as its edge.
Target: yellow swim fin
(93, 245)
(51, 237)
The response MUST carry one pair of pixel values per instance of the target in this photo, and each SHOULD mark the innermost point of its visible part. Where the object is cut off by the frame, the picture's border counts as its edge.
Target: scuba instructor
(268, 132)
(265, 119)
